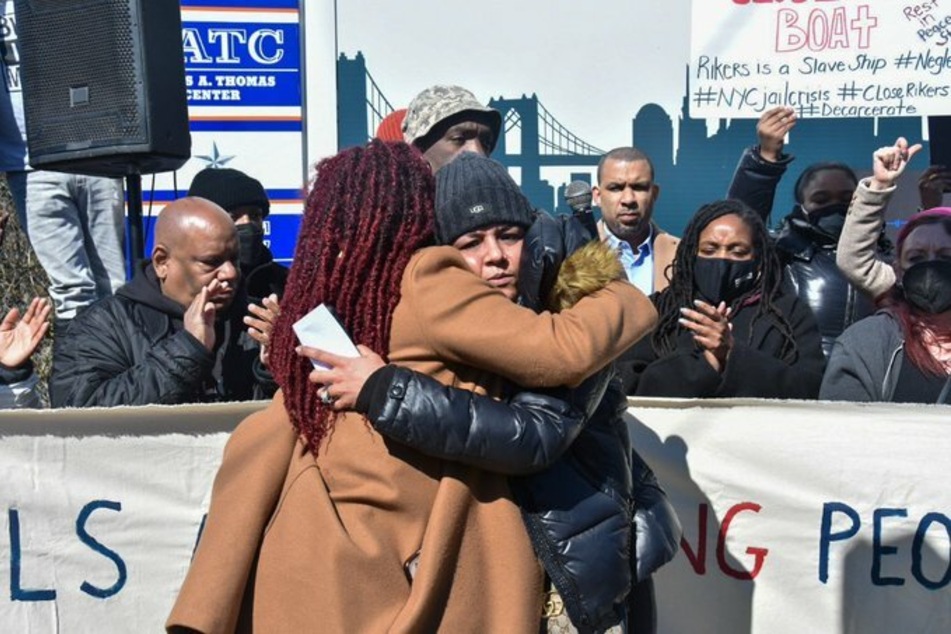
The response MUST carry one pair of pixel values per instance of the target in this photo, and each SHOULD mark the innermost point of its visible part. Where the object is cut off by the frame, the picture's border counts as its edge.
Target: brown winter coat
(338, 529)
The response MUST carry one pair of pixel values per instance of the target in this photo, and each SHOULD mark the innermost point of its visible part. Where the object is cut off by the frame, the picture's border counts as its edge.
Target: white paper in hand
(320, 329)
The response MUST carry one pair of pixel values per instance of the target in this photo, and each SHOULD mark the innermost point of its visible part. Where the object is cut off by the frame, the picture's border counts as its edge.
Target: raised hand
(932, 184)
(345, 377)
(771, 129)
(889, 162)
(200, 316)
(261, 322)
(712, 331)
(19, 337)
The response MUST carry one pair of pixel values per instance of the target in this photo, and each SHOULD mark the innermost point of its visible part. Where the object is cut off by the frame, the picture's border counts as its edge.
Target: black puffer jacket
(578, 501)
(579, 516)
(576, 505)
(520, 436)
(132, 349)
(809, 256)
(806, 251)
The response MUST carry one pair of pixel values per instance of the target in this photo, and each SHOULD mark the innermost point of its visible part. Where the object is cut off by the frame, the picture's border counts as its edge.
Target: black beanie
(229, 189)
(473, 192)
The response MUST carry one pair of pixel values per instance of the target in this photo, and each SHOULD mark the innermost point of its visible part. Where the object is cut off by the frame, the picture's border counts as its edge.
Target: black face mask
(251, 249)
(927, 286)
(828, 219)
(721, 279)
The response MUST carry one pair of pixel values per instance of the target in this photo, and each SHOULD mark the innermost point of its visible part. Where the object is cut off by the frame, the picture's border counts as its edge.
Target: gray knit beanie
(474, 192)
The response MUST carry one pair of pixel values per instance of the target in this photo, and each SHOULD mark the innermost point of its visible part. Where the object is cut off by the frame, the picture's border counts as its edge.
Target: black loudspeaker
(939, 140)
(104, 85)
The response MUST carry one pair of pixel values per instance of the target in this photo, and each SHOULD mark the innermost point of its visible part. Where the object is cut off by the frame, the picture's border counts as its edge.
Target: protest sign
(825, 58)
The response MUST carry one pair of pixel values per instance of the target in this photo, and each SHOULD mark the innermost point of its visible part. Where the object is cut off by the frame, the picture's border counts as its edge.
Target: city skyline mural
(692, 165)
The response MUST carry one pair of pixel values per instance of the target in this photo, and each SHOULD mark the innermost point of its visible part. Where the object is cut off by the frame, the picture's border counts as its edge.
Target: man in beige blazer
(626, 192)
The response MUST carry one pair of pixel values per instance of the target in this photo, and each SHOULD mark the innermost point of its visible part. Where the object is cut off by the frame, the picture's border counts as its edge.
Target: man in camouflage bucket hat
(444, 121)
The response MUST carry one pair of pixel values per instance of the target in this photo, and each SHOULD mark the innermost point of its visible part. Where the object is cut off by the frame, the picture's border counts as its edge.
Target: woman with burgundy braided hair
(376, 243)
(318, 522)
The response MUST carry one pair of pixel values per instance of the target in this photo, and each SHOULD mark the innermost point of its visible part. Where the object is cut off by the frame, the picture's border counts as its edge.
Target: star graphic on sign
(215, 159)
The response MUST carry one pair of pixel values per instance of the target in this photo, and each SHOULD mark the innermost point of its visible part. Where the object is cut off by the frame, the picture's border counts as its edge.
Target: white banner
(101, 512)
(803, 517)
(798, 517)
(825, 58)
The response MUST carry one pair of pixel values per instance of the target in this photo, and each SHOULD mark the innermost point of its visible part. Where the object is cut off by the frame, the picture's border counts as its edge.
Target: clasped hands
(711, 329)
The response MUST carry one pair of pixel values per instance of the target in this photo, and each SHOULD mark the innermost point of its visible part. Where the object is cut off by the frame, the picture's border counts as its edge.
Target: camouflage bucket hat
(439, 102)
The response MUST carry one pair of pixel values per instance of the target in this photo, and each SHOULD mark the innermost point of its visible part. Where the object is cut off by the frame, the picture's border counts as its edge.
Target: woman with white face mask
(728, 327)
(903, 353)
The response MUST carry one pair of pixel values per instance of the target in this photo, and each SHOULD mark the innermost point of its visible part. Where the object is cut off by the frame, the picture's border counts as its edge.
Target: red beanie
(391, 128)
(917, 219)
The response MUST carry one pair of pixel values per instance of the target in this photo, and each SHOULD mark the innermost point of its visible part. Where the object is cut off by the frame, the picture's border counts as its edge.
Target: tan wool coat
(294, 544)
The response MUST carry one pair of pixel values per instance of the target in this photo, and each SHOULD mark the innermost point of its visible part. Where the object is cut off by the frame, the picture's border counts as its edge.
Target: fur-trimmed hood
(589, 269)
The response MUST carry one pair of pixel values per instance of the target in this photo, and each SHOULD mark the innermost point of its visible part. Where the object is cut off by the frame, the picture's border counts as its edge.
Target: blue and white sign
(245, 87)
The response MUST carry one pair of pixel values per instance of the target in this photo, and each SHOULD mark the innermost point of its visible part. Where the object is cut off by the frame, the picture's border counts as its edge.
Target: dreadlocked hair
(681, 290)
(369, 209)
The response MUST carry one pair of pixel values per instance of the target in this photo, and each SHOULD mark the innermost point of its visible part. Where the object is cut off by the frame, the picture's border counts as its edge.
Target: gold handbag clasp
(553, 605)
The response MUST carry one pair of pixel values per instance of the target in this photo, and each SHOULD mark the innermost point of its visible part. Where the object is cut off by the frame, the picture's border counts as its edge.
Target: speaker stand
(136, 239)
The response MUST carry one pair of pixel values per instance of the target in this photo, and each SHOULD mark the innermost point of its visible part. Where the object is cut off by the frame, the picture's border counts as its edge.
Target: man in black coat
(174, 333)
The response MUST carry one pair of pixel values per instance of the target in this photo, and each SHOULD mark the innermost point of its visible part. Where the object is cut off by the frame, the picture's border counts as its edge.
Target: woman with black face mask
(728, 327)
(857, 255)
(903, 353)
(807, 237)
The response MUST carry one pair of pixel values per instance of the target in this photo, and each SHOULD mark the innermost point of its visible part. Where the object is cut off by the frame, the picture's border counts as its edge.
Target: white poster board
(825, 58)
